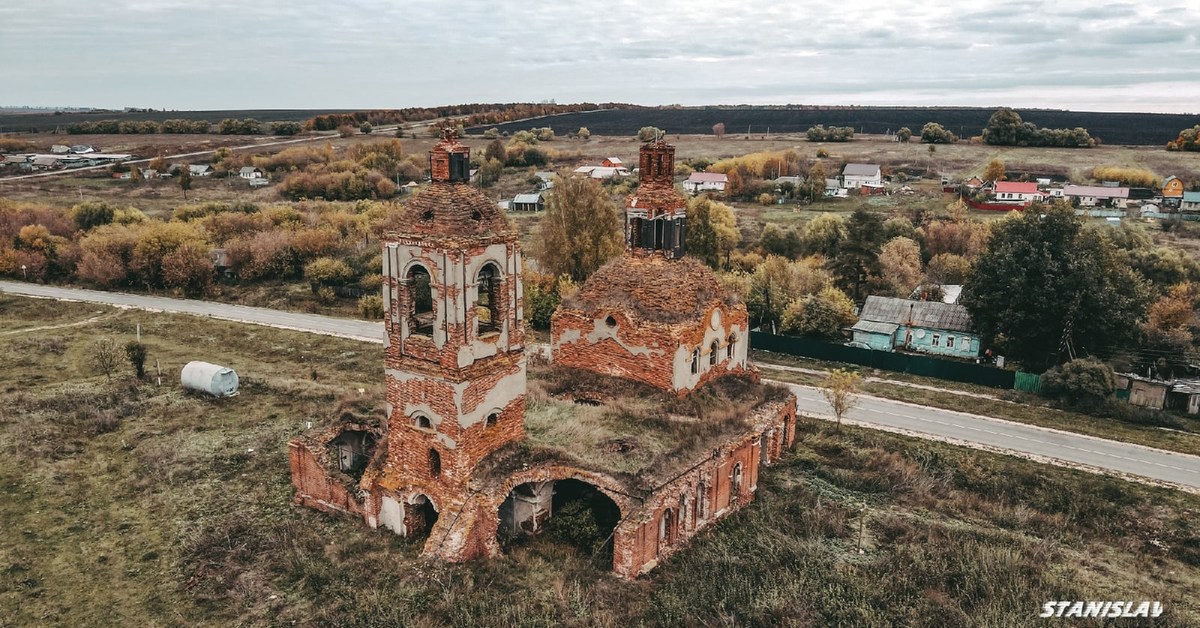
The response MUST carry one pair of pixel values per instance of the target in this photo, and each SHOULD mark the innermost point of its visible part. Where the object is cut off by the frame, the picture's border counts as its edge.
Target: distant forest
(1111, 128)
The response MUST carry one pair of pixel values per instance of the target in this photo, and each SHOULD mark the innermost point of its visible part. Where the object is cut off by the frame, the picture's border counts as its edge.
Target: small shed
(529, 202)
(214, 379)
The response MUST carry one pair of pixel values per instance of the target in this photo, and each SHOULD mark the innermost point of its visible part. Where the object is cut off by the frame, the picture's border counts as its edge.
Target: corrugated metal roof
(1191, 197)
(875, 328)
(707, 177)
(1095, 190)
(527, 198)
(931, 314)
(861, 170)
(1186, 386)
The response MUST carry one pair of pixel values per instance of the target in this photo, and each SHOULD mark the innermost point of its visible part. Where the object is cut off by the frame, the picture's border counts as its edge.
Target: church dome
(652, 289)
(449, 206)
(446, 208)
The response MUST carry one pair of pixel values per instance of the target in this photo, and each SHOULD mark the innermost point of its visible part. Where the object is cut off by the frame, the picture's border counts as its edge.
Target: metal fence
(1028, 382)
(926, 366)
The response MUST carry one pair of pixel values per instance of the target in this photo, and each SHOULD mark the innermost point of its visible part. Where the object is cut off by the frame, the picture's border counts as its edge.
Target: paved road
(1039, 443)
(328, 325)
(1095, 454)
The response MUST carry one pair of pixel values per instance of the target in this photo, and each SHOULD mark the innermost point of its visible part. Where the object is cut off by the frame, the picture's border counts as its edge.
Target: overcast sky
(352, 54)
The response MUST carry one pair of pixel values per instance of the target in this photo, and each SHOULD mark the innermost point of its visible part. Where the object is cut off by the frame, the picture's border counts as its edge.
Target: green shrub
(1084, 383)
(371, 307)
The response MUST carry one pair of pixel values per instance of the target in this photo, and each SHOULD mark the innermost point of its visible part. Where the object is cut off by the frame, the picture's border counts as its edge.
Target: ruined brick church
(649, 417)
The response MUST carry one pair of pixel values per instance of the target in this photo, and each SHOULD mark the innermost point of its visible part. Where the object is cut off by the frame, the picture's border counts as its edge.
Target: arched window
(701, 502)
(435, 463)
(685, 522)
(729, 347)
(714, 352)
(695, 361)
(492, 419)
(666, 527)
(735, 482)
(421, 421)
(420, 301)
(486, 307)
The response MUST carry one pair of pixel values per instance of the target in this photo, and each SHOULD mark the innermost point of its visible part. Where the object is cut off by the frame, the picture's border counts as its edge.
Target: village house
(531, 202)
(1097, 195)
(1172, 192)
(1017, 191)
(834, 189)
(602, 172)
(1191, 202)
(855, 176)
(698, 182)
(613, 162)
(887, 324)
(46, 162)
(250, 172)
(200, 170)
(453, 463)
(1141, 391)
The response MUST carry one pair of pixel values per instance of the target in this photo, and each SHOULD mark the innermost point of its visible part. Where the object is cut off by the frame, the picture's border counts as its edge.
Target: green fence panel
(1028, 382)
(923, 365)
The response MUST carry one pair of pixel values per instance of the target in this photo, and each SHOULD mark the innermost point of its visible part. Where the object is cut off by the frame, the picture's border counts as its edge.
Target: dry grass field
(127, 503)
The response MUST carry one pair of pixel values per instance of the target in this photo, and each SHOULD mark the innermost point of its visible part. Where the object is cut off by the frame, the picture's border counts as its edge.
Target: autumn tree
(90, 214)
(1188, 139)
(813, 187)
(580, 230)
(773, 286)
(841, 390)
(490, 171)
(821, 315)
(1045, 288)
(994, 171)
(188, 268)
(934, 133)
(649, 133)
(583, 133)
(711, 232)
(904, 135)
(184, 177)
(785, 243)
(718, 130)
(495, 150)
(824, 235)
(947, 268)
(900, 266)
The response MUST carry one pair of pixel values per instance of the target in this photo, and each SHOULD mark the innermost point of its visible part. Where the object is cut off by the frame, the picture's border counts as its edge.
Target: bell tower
(656, 214)
(454, 360)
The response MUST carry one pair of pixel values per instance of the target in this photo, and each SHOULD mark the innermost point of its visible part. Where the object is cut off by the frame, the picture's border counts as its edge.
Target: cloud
(378, 53)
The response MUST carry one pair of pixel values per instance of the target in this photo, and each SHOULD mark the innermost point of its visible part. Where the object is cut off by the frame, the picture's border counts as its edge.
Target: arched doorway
(419, 516)
(562, 512)
(413, 518)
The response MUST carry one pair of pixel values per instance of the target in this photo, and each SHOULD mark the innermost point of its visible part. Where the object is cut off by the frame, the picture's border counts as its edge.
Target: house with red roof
(1017, 191)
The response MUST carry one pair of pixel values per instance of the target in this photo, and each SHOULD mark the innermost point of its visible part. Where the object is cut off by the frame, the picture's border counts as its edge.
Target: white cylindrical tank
(214, 379)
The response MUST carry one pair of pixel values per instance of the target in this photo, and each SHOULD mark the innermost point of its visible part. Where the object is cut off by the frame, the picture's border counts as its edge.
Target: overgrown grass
(182, 514)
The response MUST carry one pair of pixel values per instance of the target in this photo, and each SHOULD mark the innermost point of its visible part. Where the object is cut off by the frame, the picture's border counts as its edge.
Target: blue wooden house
(887, 324)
